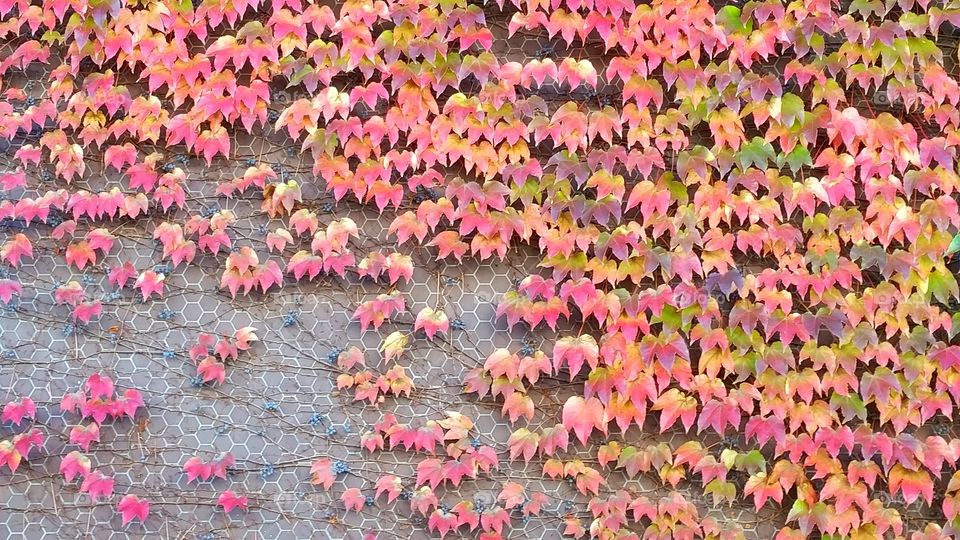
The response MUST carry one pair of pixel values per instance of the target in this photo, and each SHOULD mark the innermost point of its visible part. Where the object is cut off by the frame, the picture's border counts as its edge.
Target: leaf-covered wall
(528, 269)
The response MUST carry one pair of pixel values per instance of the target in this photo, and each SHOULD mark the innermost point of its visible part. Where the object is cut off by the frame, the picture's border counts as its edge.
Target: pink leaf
(120, 275)
(101, 239)
(13, 180)
(84, 436)
(353, 499)
(80, 254)
(150, 283)
(196, 468)
(16, 249)
(16, 411)
(118, 156)
(29, 154)
(74, 464)
(391, 485)
(131, 506)
(583, 416)
(321, 473)
(211, 369)
(72, 402)
(432, 322)
(8, 288)
(230, 500)
(9, 456)
(244, 336)
(99, 386)
(24, 442)
(97, 485)
(278, 240)
(86, 311)
(67, 228)
(129, 403)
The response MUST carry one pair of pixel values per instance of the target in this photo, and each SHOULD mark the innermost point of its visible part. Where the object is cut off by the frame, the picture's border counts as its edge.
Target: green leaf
(721, 489)
(298, 76)
(694, 113)
(791, 109)
(528, 191)
(697, 158)
(850, 405)
(731, 18)
(752, 462)
(738, 337)
(728, 457)
(51, 37)
(385, 38)
(955, 327)
(746, 364)
(670, 318)
(924, 49)
(181, 6)
(866, 7)
(678, 191)
(914, 22)
(798, 509)
(797, 158)
(954, 245)
(817, 43)
(757, 153)
(942, 285)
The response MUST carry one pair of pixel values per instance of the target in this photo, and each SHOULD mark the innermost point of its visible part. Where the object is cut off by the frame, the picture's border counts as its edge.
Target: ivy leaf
(181, 6)
(942, 285)
(757, 153)
(810, 517)
(731, 19)
(791, 109)
(954, 245)
(752, 462)
(394, 345)
(797, 158)
(583, 416)
(721, 490)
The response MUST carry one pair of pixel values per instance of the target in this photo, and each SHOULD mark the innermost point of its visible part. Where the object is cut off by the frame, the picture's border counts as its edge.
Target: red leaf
(132, 506)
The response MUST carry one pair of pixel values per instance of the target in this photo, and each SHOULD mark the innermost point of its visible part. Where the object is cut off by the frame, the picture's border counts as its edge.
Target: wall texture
(781, 177)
